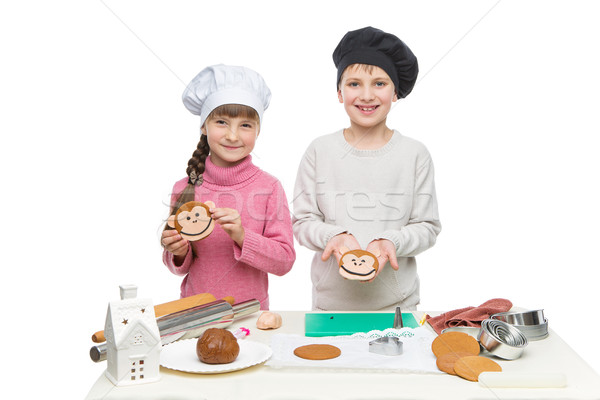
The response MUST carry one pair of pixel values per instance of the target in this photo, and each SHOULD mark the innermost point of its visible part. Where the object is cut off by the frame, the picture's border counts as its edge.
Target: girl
(367, 186)
(255, 235)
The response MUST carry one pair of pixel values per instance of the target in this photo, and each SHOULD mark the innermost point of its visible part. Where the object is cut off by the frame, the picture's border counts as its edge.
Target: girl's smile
(230, 139)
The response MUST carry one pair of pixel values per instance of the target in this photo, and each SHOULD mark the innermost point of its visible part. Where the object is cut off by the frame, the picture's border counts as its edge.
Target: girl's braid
(195, 167)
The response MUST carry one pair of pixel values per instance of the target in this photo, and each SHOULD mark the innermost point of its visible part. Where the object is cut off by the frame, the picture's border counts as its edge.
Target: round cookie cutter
(502, 339)
(532, 317)
(532, 323)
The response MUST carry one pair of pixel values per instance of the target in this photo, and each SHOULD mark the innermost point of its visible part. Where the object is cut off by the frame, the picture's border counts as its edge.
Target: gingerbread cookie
(193, 220)
(445, 362)
(454, 342)
(470, 367)
(317, 352)
(358, 265)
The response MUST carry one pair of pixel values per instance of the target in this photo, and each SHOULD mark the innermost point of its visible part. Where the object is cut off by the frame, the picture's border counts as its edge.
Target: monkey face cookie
(193, 220)
(358, 265)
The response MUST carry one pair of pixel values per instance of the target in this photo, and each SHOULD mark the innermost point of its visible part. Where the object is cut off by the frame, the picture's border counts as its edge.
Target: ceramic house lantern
(133, 340)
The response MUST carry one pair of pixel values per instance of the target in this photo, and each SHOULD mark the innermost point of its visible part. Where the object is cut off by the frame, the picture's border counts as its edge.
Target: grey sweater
(387, 193)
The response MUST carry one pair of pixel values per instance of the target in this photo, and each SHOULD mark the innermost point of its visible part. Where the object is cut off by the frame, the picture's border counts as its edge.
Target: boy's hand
(336, 243)
(386, 251)
(230, 221)
(174, 243)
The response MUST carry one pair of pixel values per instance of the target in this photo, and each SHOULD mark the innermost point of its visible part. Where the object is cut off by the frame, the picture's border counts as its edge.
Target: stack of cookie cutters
(531, 323)
(501, 339)
(506, 334)
(497, 337)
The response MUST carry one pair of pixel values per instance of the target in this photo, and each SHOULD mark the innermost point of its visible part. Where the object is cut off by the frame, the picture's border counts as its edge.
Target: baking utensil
(172, 307)
(532, 323)
(501, 339)
(532, 317)
(386, 346)
(193, 322)
(318, 324)
(534, 332)
(522, 380)
(398, 323)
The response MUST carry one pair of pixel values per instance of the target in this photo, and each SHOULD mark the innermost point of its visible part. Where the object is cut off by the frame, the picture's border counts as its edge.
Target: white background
(94, 134)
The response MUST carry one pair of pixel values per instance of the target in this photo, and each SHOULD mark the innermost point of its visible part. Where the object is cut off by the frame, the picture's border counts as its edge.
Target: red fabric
(468, 316)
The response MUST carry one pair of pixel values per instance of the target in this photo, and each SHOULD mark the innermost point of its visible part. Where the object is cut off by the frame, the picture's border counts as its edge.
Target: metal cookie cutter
(389, 346)
(501, 339)
(532, 323)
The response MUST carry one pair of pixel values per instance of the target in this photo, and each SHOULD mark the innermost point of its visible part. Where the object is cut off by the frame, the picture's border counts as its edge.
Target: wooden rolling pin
(172, 307)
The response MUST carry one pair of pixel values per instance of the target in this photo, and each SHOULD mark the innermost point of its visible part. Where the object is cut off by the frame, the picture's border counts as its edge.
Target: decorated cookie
(358, 265)
(455, 342)
(317, 352)
(193, 220)
(470, 367)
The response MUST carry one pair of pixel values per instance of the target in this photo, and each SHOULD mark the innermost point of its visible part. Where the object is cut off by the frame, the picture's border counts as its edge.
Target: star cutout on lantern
(125, 321)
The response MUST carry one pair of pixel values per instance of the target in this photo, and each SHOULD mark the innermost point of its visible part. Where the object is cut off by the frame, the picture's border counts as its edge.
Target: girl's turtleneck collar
(242, 173)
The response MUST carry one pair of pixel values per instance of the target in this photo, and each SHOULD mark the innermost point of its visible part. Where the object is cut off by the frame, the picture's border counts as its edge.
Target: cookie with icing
(193, 220)
(358, 265)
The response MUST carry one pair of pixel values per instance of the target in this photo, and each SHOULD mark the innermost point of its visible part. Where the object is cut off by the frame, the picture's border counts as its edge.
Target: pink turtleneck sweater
(217, 265)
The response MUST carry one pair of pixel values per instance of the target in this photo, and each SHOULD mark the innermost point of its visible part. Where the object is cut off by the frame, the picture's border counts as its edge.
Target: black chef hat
(375, 47)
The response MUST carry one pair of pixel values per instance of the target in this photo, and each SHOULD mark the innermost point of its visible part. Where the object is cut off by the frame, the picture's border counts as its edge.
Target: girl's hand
(386, 251)
(174, 243)
(230, 221)
(336, 243)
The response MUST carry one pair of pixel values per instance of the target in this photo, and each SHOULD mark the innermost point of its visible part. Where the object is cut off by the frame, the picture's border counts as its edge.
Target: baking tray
(337, 324)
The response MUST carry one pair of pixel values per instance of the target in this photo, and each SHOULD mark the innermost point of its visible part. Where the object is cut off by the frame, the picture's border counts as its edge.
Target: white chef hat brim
(220, 84)
(231, 96)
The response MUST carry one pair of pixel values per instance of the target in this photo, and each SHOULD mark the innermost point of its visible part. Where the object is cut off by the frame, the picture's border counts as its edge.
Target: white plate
(181, 356)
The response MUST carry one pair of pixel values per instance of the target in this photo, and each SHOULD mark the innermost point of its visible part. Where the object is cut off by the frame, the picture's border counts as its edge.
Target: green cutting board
(336, 324)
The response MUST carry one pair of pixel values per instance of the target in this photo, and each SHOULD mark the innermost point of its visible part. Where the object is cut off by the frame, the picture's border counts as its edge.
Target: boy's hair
(368, 68)
(196, 164)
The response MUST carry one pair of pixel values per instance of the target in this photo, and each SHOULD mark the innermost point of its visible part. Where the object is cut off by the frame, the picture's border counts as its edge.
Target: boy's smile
(367, 95)
(367, 109)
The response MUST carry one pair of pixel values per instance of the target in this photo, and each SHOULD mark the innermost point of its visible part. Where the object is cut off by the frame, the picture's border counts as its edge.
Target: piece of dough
(269, 320)
(217, 346)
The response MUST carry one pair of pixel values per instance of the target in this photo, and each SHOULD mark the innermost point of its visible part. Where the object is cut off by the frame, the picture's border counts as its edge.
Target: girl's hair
(196, 164)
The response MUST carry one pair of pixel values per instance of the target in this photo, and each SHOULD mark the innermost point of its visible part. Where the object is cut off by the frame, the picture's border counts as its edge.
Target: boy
(367, 186)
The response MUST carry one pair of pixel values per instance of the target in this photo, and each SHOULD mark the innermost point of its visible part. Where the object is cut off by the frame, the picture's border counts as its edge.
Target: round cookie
(445, 362)
(317, 352)
(454, 342)
(470, 367)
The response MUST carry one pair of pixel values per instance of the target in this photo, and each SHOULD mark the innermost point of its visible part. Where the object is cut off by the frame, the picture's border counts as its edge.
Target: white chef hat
(222, 84)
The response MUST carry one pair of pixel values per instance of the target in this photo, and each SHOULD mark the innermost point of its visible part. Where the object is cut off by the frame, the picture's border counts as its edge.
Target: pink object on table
(468, 316)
